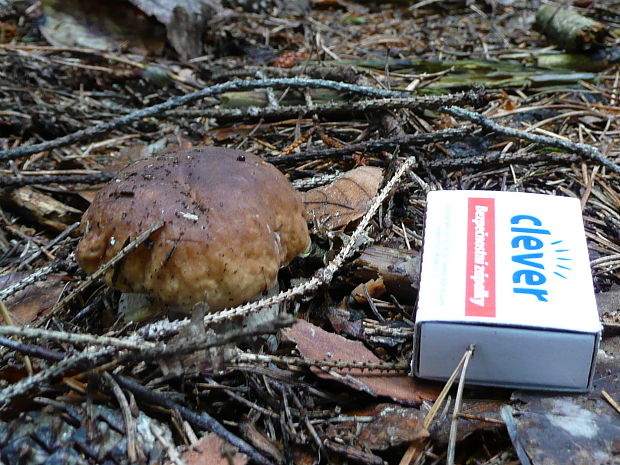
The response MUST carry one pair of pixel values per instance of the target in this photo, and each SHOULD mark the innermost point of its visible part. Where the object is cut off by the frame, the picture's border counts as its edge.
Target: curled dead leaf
(344, 200)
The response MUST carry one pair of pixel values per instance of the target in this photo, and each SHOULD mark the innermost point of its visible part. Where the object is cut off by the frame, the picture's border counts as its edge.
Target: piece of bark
(267, 446)
(353, 453)
(40, 208)
(400, 270)
(568, 29)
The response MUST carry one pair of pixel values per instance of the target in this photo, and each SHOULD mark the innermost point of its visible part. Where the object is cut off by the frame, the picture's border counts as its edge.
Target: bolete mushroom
(230, 219)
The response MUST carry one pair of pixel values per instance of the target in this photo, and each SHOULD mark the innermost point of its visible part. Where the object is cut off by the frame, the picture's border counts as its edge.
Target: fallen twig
(306, 362)
(101, 271)
(370, 145)
(584, 150)
(139, 350)
(457, 406)
(74, 338)
(130, 426)
(145, 349)
(203, 421)
(332, 108)
(92, 133)
(9, 181)
(33, 351)
(37, 381)
(38, 275)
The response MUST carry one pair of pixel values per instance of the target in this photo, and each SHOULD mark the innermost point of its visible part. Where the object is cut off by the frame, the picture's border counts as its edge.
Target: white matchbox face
(508, 269)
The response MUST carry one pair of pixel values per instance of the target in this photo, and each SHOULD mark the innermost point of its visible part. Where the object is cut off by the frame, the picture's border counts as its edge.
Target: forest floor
(318, 89)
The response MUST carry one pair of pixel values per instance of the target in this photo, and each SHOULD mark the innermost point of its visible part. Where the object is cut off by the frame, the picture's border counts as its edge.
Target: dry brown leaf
(267, 446)
(374, 287)
(303, 455)
(88, 193)
(316, 343)
(344, 200)
(208, 451)
(34, 300)
(391, 426)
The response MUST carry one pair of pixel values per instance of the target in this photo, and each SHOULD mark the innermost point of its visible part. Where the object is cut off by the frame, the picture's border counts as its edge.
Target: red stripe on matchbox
(480, 271)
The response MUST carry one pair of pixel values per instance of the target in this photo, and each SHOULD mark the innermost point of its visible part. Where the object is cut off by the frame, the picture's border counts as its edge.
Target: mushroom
(230, 219)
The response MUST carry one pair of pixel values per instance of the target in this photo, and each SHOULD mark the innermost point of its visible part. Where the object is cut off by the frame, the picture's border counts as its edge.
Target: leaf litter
(283, 402)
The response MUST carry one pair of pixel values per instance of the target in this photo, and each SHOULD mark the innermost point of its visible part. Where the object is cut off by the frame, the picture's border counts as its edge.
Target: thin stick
(203, 421)
(430, 416)
(611, 400)
(33, 351)
(38, 380)
(50, 244)
(102, 270)
(101, 129)
(38, 275)
(371, 145)
(146, 348)
(74, 338)
(130, 427)
(96, 358)
(254, 113)
(309, 426)
(584, 150)
(444, 392)
(307, 362)
(10, 181)
(6, 316)
(457, 406)
(469, 416)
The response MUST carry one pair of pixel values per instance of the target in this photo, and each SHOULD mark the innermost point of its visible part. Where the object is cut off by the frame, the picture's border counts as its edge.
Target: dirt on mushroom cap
(231, 221)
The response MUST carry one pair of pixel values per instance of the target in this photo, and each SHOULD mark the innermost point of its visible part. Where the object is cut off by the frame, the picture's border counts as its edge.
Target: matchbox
(510, 273)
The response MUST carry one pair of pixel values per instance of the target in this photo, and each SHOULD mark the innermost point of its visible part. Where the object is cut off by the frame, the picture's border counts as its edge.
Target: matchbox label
(480, 264)
(509, 272)
(501, 258)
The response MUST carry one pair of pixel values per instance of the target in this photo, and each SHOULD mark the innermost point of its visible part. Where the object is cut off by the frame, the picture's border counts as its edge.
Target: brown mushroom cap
(230, 219)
